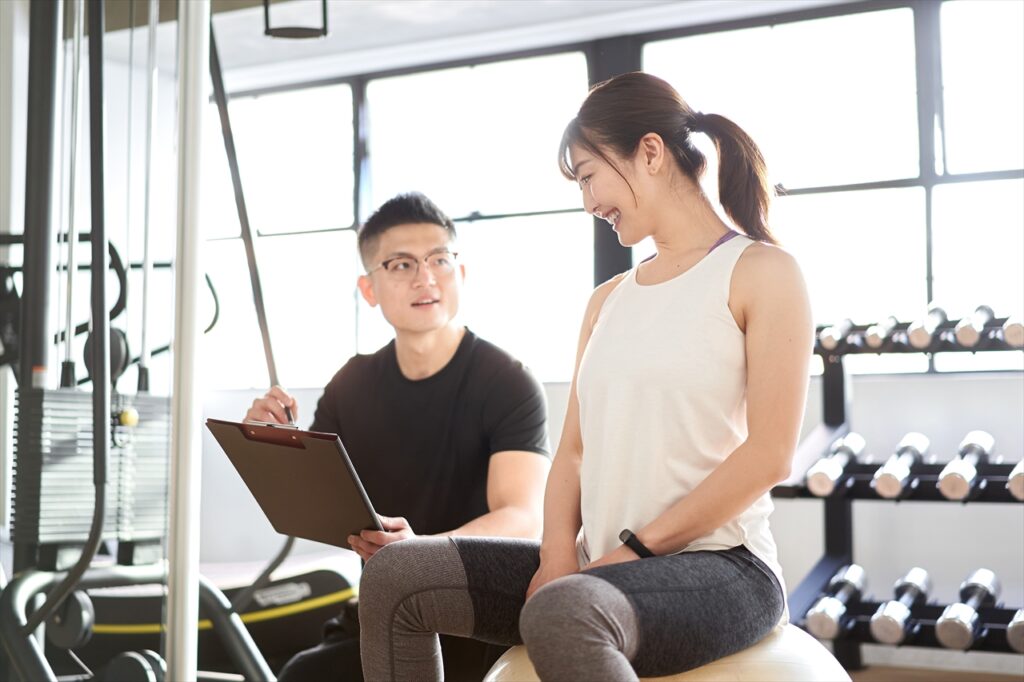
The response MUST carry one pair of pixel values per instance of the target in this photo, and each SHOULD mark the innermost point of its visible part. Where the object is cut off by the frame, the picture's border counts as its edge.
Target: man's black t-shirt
(422, 448)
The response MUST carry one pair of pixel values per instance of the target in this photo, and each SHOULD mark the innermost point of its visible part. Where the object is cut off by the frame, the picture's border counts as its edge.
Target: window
(294, 157)
(308, 282)
(477, 138)
(824, 109)
(977, 248)
(528, 281)
(983, 85)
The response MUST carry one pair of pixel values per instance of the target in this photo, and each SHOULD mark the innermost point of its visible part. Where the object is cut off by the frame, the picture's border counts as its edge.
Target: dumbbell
(957, 477)
(877, 334)
(830, 337)
(825, 617)
(921, 332)
(823, 474)
(1015, 483)
(970, 330)
(958, 625)
(1012, 332)
(889, 624)
(1015, 632)
(890, 478)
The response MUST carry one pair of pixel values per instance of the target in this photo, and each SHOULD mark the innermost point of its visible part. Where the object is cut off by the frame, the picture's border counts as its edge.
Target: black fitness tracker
(629, 539)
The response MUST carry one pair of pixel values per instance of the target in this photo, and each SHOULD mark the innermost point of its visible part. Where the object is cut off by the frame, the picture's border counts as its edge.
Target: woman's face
(607, 194)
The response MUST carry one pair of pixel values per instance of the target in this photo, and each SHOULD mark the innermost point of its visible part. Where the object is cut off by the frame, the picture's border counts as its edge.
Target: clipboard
(303, 481)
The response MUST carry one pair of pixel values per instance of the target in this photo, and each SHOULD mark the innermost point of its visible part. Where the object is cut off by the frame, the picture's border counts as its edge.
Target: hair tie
(697, 121)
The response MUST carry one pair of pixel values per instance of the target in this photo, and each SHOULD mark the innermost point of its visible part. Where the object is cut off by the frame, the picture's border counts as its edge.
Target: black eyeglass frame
(384, 263)
(297, 32)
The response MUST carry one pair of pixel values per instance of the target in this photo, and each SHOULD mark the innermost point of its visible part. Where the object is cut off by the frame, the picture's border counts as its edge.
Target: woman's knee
(578, 607)
(394, 565)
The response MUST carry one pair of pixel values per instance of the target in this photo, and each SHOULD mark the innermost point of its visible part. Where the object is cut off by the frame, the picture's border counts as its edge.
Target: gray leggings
(650, 617)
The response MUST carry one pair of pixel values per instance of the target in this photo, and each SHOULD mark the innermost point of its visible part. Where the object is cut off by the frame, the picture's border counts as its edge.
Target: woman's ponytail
(743, 187)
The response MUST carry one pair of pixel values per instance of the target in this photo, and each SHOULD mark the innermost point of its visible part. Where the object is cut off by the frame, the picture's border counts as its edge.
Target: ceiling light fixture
(294, 31)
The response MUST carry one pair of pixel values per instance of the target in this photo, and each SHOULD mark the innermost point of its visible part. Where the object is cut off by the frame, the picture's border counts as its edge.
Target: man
(447, 431)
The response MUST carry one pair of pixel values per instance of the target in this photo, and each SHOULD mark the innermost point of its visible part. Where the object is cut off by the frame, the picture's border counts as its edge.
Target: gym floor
(888, 674)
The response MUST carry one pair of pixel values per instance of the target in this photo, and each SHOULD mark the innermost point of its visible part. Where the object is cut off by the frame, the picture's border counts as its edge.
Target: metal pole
(186, 402)
(44, 26)
(152, 88)
(67, 379)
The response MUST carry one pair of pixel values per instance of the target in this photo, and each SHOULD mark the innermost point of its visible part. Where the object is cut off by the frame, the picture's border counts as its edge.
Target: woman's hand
(552, 567)
(369, 542)
(619, 555)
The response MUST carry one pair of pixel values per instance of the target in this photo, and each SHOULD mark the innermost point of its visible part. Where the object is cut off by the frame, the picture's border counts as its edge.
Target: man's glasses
(407, 268)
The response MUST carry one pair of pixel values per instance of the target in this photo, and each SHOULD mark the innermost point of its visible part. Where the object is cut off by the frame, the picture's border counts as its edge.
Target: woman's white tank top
(662, 396)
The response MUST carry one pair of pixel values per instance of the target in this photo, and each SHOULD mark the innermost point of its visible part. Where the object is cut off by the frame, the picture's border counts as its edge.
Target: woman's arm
(562, 518)
(769, 299)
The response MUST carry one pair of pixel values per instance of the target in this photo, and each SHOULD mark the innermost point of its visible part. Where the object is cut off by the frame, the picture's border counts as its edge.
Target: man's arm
(515, 490)
(515, 493)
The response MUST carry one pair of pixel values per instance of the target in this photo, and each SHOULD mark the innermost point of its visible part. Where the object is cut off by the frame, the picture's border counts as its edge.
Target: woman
(685, 410)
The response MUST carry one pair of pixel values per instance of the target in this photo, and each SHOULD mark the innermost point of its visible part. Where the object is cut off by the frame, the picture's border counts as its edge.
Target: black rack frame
(856, 484)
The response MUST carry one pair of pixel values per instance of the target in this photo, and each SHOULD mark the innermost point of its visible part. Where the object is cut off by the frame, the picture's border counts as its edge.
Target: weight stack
(142, 479)
(53, 495)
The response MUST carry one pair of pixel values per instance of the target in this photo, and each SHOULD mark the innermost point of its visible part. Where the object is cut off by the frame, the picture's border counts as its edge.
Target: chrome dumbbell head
(957, 477)
(877, 334)
(823, 474)
(970, 330)
(889, 624)
(1015, 632)
(825, 617)
(833, 335)
(921, 332)
(1013, 332)
(1015, 483)
(892, 476)
(958, 624)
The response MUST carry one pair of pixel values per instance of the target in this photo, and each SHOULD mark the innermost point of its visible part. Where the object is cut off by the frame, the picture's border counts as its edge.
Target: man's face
(414, 297)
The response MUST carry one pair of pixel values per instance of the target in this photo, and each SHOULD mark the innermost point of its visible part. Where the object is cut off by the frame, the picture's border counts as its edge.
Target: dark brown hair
(620, 111)
(403, 209)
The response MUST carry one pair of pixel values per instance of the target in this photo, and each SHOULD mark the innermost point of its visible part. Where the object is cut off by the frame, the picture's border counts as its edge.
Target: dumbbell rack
(856, 484)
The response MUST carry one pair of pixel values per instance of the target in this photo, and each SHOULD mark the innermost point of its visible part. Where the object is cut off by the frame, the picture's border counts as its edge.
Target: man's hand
(369, 542)
(271, 407)
(552, 567)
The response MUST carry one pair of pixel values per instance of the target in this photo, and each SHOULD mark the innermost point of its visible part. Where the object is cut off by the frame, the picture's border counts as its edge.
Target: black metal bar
(928, 67)
(814, 446)
(835, 396)
(24, 653)
(921, 486)
(100, 327)
(605, 59)
(360, 152)
(901, 183)
(243, 215)
(233, 635)
(44, 29)
(100, 253)
(839, 527)
(810, 588)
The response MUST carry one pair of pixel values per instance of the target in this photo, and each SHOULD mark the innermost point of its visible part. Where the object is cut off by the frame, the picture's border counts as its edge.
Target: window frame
(607, 57)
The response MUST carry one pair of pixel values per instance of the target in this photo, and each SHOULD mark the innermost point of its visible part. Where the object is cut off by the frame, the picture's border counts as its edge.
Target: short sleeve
(515, 412)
